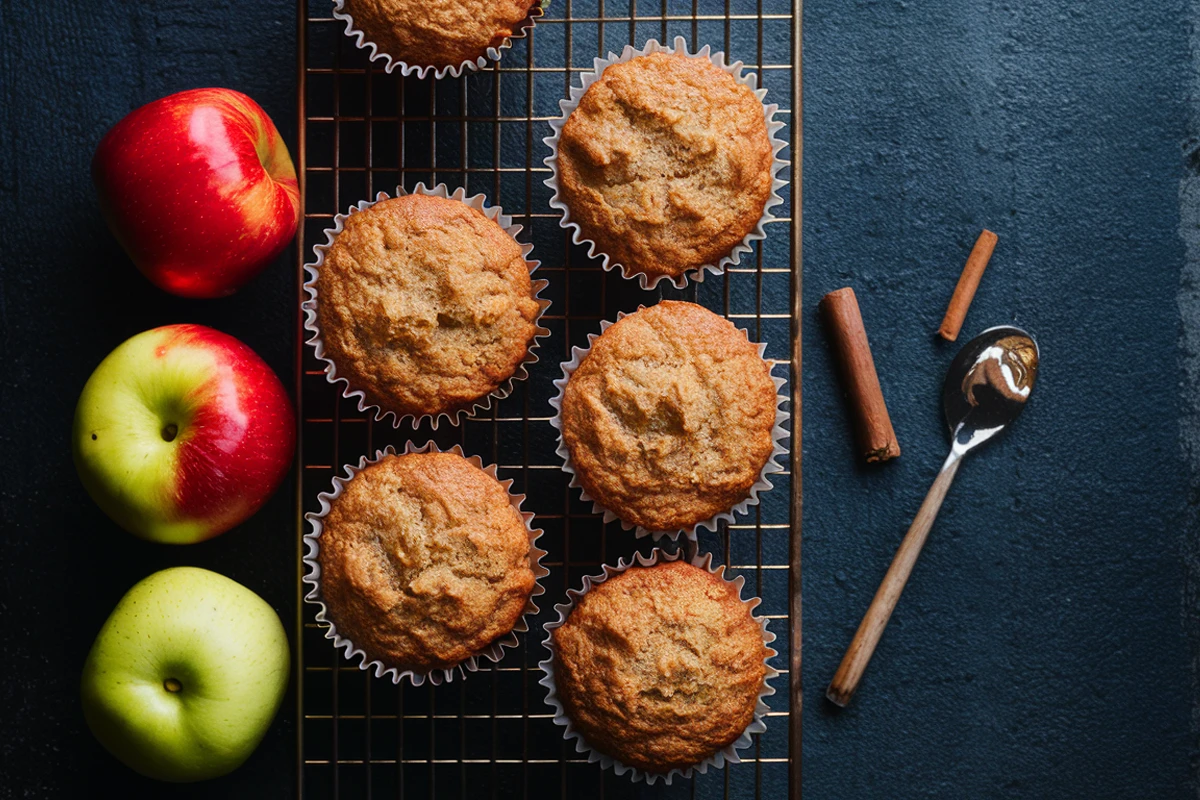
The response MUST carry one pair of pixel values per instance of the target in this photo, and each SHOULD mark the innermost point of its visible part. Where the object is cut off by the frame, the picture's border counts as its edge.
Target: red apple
(199, 189)
(182, 432)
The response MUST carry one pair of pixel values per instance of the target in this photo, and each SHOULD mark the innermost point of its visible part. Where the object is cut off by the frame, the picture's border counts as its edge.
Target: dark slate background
(69, 295)
(1041, 650)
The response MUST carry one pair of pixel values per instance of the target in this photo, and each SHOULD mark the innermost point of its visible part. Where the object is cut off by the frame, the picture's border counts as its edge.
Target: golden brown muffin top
(424, 561)
(437, 33)
(425, 304)
(666, 163)
(668, 418)
(660, 667)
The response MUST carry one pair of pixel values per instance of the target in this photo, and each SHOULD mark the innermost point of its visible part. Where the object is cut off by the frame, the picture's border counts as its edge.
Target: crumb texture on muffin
(660, 667)
(424, 561)
(668, 418)
(666, 163)
(437, 33)
(425, 304)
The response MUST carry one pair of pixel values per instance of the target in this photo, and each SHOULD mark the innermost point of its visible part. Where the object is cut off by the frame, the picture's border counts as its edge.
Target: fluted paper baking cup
(772, 466)
(493, 652)
(718, 760)
(309, 307)
(391, 63)
(570, 103)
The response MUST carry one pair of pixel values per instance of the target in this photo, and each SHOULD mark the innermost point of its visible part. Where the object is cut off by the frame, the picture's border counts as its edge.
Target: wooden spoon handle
(858, 655)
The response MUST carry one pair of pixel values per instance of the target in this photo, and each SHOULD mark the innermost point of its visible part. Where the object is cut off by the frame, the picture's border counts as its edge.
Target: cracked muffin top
(438, 33)
(660, 667)
(668, 418)
(424, 561)
(666, 163)
(425, 305)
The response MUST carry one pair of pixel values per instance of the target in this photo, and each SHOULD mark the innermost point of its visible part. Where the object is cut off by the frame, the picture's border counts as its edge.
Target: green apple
(186, 675)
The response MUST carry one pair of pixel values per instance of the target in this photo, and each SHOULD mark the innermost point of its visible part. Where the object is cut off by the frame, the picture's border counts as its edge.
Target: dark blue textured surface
(1039, 650)
(68, 296)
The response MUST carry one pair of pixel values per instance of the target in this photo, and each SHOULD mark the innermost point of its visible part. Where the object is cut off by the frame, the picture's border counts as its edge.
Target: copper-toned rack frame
(362, 131)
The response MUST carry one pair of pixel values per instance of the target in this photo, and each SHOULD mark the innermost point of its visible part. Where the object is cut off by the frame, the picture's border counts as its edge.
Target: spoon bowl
(988, 384)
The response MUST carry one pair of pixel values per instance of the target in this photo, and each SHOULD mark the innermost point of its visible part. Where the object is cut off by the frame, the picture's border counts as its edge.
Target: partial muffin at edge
(660, 667)
(438, 34)
(424, 561)
(666, 163)
(425, 305)
(669, 417)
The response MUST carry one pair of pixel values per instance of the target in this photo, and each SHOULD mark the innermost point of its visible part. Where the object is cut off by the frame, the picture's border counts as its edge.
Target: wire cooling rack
(364, 131)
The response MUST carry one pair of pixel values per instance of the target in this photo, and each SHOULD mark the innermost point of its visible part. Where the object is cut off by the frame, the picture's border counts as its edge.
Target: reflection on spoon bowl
(988, 383)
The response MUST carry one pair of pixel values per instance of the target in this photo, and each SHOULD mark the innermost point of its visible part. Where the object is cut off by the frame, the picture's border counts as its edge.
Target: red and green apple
(186, 675)
(199, 189)
(181, 433)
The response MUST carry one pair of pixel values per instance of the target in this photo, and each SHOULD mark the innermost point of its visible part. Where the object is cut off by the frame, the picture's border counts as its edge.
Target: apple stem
(172, 685)
(170, 432)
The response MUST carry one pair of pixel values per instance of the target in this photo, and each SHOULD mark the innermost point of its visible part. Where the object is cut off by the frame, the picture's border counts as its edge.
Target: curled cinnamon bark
(968, 282)
(872, 425)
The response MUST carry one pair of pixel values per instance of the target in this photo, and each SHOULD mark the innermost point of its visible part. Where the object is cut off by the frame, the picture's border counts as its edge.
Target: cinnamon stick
(968, 282)
(872, 425)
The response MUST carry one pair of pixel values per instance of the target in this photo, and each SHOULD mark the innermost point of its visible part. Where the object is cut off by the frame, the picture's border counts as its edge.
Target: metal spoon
(986, 388)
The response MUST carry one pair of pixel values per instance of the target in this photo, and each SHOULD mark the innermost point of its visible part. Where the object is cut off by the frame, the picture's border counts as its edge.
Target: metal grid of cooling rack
(364, 131)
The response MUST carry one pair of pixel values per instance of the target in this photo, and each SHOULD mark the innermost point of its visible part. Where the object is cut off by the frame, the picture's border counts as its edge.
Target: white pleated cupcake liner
(311, 324)
(493, 652)
(569, 104)
(390, 63)
(763, 484)
(718, 760)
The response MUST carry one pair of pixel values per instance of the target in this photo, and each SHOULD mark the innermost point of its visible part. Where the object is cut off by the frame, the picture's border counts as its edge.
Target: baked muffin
(437, 33)
(668, 418)
(425, 305)
(660, 667)
(424, 561)
(666, 163)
